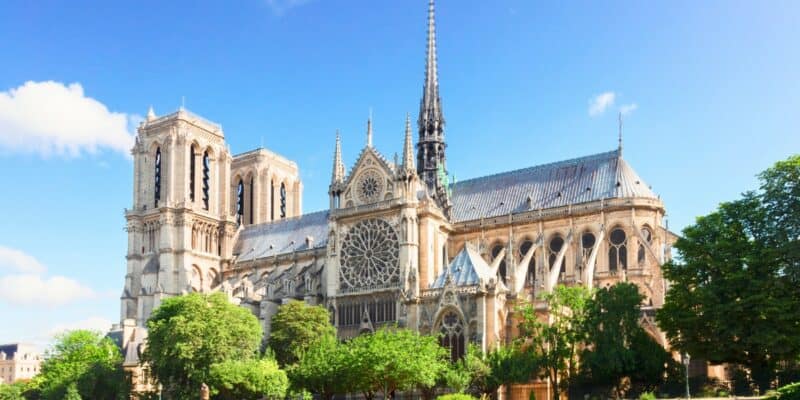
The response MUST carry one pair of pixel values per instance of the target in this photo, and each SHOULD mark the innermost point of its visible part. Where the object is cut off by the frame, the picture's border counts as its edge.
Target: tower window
(283, 200)
(272, 200)
(192, 167)
(206, 178)
(239, 202)
(617, 252)
(158, 177)
(252, 187)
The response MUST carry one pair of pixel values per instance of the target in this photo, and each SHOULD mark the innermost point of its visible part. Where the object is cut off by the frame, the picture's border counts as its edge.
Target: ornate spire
(369, 130)
(151, 115)
(431, 161)
(338, 165)
(408, 149)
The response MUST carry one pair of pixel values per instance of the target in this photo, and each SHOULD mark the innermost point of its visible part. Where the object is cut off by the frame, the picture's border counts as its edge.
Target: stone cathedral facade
(399, 244)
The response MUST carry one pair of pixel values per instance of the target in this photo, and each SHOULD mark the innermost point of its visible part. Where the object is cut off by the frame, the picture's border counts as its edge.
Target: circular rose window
(369, 186)
(369, 256)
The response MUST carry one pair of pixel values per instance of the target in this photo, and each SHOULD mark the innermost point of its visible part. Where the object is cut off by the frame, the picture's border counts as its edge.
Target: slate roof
(466, 269)
(284, 236)
(579, 180)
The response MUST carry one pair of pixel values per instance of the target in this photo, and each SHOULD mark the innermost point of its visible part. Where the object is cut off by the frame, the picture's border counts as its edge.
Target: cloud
(32, 289)
(18, 261)
(628, 108)
(600, 103)
(53, 118)
(28, 285)
(280, 7)
(92, 323)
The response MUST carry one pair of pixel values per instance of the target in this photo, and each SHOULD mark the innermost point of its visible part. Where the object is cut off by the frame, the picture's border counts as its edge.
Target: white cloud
(600, 103)
(92, 323)
(18, 261)
(628, 108)
(33, 289)
(53, 118)
(279, 7)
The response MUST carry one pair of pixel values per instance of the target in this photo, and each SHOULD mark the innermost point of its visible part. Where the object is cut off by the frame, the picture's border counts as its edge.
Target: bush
(455, 396)
(647, 396)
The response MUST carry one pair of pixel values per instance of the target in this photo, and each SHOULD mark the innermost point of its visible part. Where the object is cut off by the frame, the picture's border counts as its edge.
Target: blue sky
(716, 86)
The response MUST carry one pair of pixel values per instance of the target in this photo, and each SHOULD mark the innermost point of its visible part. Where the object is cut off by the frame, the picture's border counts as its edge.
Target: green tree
(12, 391)
(85, 360)
(390, 360)
(323, 369)
(72, 393)
(555, 342)
(617, 347)
(295, 327)
(734, 295)
(250, 379)
(507, 365)
(188, 334)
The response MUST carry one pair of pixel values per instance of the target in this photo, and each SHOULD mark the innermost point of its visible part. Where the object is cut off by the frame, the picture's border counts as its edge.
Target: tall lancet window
(555, 246)
(530, 276)
(501, 270)
(239, 202)
(452, 335)
(283, 200)
(157, 181)
(250, 200)
(192, 167)
(648, 240)
(206, 179)
(617, 251)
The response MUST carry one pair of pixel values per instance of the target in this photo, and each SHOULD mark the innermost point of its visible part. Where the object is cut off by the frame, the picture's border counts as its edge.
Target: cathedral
(400, 244)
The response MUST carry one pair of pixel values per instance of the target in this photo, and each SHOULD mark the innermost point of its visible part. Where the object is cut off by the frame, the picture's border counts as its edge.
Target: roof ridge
(286, 220)
(542, 166)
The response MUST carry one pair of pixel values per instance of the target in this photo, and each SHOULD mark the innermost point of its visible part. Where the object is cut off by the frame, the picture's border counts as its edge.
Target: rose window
(370, 186)
(369, 256)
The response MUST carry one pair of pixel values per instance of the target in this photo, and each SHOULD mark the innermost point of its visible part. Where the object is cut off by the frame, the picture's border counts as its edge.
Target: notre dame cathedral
(399, 244)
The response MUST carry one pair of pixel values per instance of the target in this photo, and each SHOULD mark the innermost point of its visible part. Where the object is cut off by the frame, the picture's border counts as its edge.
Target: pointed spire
(338, 165)
(151, 115)
(369, 130)
(408, 148)
(430, 97)
(619, 146)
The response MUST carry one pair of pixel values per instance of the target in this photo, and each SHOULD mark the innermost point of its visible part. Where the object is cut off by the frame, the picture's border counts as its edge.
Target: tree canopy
(251, 379)
(616, 346)
(324, 368)
(295, 327)
(554, 342)
(390, 360)
(82, 363)
(734, 295)
(188, 334)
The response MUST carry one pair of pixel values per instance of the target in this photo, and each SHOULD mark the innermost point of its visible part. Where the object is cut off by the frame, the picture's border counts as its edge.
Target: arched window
(192, 168)
(453, 337)
(283, 200)
(617, 251)
(272, 200)
(239, 202)
(530, 276)
(252, 187)
(501, 270)
(641, 257)
(157, 194)
(206, 178)
(556, 243)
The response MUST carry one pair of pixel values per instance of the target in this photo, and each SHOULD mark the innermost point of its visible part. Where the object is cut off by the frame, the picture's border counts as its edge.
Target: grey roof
(284, 236)
(580, 180)
(466, 269)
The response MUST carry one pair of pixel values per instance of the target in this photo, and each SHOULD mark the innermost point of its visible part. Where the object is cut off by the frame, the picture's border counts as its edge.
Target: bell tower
(179, 229)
